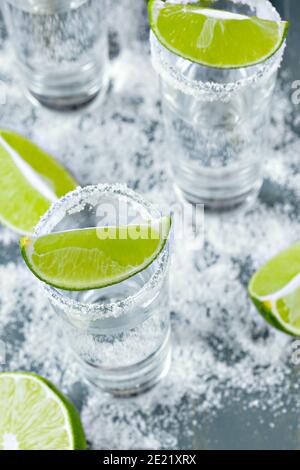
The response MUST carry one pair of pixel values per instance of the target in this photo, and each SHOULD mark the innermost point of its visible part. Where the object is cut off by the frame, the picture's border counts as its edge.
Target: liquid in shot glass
(216, 119)
(120, 333)
(61, 48)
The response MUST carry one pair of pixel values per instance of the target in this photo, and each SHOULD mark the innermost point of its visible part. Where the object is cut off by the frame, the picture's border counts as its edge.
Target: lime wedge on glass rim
(34, 415)
(93, 258)
(30, 181)
(212, 37)
(275, 290)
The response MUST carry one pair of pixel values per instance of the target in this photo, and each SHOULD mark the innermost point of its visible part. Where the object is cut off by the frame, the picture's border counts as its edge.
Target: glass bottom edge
(215, 201)
(133, 380)
(62, 102)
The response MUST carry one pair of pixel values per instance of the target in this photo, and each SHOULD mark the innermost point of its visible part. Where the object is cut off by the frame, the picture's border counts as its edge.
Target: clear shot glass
(61, 48)
(120, 335)
(216, 120)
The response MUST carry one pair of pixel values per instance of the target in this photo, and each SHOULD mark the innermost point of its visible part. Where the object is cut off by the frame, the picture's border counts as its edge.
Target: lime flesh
(30, 180)
(92, 258)
(34, 415)
(275, 290)
(215, 38)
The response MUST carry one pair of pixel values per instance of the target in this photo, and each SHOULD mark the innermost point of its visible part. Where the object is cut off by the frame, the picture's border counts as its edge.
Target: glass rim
(92, 311)
(207, 90)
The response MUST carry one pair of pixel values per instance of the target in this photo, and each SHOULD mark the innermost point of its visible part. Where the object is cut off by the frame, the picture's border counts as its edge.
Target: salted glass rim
(75, 198)
(161, 61)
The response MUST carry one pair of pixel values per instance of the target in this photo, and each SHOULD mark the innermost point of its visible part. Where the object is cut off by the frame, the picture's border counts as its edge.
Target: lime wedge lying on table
(92, 258)
(34, 415)
(275, 290)
(212, 37)
(30, 180)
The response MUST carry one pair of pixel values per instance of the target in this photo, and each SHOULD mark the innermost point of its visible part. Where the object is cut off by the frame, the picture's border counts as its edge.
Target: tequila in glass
(216, 120)
(120, 334)
(61, 48)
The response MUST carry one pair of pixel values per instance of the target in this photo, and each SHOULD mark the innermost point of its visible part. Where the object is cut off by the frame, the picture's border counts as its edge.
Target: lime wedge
(212, 37)
(95, 257)
(275, 290)
(30, 180)
(34, 415)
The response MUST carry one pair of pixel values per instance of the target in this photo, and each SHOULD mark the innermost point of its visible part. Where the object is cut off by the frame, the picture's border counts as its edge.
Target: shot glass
(61, 48)
(120, 335)
(216, 120)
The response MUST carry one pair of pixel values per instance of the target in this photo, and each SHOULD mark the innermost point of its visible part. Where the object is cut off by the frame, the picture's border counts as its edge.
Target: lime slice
(275, 290)
(95, 257)
(215, 38)
(36, 416)
(30, 180)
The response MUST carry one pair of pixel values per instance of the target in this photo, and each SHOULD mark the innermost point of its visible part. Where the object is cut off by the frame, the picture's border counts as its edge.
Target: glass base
(220, 191)
(60, 102)
(135, 379)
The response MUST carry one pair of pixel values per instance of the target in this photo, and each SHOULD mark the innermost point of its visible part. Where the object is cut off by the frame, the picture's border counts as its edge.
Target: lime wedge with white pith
(34, 415)
(30, 181)
(212, 37)
(275, 290)
(92, 258)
